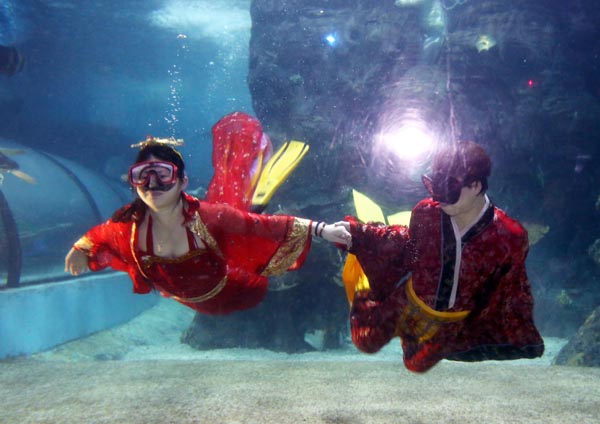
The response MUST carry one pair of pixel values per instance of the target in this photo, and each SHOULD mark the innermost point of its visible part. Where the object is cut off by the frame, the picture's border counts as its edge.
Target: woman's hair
(163, 152)
(466, 160)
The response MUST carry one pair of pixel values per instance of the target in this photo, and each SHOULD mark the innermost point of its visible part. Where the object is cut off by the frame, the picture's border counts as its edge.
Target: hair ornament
(171, 141)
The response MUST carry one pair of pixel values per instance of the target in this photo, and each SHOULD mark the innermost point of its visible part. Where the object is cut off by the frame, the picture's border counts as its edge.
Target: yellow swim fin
(400, 218)
(353, 276)
(275, 172)
(366, 209)
(369, 211)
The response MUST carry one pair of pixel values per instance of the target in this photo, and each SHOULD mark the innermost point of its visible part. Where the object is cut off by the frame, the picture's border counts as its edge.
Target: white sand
(155, 335)
(159, 380)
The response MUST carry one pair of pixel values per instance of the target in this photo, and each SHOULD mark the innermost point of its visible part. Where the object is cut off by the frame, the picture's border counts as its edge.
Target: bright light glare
(408, 142)
(331, 39)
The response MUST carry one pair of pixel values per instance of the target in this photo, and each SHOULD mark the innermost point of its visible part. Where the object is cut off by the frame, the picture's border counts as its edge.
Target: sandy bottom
(140, 373)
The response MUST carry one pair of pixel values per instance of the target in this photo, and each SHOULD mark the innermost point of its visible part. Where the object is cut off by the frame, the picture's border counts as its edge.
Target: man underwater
(452, 284)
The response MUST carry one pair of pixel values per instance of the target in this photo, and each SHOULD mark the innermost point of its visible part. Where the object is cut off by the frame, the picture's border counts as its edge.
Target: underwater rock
(594, 251)
(584, 348)
(507, 74)
(317, 71)
(329, 74)
(283, 282)
(304, 300)
(281, 323)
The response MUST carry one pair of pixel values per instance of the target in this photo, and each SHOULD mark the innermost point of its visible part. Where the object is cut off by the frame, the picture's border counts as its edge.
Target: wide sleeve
(514, 302)
(104, 245)
(381, 251)
(503, 319)
(261, 244)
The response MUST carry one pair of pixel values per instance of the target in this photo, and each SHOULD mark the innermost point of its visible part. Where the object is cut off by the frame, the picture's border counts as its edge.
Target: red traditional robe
(242, 248)
(446, 294)
(230, 275)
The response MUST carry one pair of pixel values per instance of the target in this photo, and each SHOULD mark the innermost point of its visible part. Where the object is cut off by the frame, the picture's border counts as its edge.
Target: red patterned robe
(480, 273)
(242, 248)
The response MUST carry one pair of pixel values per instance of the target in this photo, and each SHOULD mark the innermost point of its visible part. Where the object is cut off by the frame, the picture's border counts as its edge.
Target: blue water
(100, 75)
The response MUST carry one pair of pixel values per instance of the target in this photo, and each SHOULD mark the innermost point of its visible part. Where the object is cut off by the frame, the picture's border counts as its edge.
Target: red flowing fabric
(240, 148)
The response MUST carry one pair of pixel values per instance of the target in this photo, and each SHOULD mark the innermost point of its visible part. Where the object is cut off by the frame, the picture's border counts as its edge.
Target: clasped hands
(338, 232)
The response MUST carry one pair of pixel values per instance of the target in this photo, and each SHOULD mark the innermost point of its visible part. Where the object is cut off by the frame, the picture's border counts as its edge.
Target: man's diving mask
(444, 188)
(165, 174)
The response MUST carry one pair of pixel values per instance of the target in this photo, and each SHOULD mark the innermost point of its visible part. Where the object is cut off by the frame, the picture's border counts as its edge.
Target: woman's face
(159, 196)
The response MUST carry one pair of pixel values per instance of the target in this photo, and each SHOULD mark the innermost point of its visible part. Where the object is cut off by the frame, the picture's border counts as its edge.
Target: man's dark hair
(465, 160)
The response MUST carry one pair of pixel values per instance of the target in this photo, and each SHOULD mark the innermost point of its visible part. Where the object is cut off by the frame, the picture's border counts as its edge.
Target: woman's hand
(338, 233)
(76, 262)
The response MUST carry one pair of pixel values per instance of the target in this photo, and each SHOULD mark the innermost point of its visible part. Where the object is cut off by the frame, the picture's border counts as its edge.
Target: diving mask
(443, 188)
(165, 173)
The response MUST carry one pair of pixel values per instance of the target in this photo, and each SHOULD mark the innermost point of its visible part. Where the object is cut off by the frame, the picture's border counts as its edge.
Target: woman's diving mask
(165, 174)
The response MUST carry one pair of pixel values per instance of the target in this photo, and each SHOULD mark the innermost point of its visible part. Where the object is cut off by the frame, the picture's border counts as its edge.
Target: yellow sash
(419, 320)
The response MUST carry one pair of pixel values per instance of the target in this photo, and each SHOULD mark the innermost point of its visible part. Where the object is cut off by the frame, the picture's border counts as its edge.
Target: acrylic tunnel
(46, 204)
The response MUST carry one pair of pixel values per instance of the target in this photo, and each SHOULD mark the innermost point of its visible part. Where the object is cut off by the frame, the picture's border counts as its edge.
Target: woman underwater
(211, 255)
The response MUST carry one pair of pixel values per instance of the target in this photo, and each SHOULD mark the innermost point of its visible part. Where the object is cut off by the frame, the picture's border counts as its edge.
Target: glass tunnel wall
(41, 219)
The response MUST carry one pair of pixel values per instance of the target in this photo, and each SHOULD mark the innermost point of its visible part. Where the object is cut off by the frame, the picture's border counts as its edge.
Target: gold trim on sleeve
(290, 249)
(84, 244)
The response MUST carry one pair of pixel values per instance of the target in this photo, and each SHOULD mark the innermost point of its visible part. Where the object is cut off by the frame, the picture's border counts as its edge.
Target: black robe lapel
(449, 254)
(448, 263)
(486, 219)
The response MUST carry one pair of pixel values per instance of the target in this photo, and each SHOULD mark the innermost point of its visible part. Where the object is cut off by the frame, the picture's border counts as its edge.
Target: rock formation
(364, 81)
